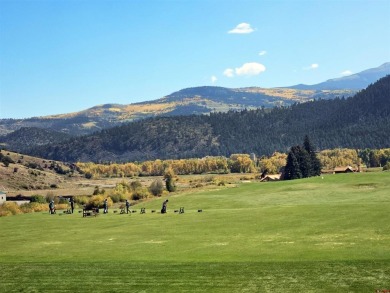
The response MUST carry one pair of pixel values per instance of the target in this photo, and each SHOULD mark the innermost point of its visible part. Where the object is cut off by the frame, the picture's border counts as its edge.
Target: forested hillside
(362, 121)
(27, 137)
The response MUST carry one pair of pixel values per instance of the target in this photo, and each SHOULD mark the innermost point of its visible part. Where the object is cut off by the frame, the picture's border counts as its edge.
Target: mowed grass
(310, 235)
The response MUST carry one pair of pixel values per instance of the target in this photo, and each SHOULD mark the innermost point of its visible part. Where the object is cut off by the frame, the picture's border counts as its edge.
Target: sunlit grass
(319, 235)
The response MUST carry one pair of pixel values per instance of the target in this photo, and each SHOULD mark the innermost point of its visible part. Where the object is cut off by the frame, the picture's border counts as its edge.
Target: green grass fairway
(309, 235)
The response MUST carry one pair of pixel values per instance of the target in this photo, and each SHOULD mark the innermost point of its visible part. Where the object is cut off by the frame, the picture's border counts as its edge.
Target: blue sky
(66, 56)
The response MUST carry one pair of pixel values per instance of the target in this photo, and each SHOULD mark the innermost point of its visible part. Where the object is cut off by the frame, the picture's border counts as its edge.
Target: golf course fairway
(322, 234)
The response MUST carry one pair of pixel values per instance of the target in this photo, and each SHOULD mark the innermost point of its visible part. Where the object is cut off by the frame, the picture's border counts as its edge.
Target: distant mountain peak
(356, 81)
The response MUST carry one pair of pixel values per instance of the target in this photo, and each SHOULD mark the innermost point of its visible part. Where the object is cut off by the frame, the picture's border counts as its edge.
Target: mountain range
(361, 121)
(356, 81)
(197, 100)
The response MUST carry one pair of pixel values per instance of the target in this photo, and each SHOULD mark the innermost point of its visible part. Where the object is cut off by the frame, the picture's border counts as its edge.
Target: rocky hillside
(25, 174)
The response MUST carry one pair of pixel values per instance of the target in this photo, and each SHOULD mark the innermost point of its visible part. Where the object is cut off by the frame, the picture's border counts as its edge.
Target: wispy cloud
(346, 72)
(242, 28)
(228, 72)
(213, 79)
(247, 69)
(311, 67)
(262, 53)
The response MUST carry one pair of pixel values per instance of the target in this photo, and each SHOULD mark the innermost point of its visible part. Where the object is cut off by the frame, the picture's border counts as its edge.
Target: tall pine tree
(302, 162)
(292, 170)
(314, 161)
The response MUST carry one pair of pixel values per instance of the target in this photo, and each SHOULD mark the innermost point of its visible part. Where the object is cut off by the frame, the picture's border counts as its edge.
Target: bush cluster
(38, 198)
(96, 201)
(11, 208)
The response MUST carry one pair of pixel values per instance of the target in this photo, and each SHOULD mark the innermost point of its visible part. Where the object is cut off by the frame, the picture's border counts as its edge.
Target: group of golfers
(52, 209)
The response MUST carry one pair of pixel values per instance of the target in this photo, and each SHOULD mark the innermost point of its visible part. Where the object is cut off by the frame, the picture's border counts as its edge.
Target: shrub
(209, 178)
(140, 193)
(62, 206)
(8, 208)
(38, 198)
(4, 213)
(169, 176)
(156, 187)
(96, 201)
(32, 165)
(50, 196)
(7, 160)
(221, 183)
(88, 175)
(386, 167)
(98, 191)
(117, 197)
(135, 185)
(34, 207)
(123, 187)
(81, 200)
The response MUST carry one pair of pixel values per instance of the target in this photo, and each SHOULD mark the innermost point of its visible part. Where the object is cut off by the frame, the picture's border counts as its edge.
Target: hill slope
(197, 100)
(358, 122)
(27, 137)
(28, 174)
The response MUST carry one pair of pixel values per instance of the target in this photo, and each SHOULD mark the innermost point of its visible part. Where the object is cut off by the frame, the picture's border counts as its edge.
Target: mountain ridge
(195, 100)
(355, 81)
(361, 121)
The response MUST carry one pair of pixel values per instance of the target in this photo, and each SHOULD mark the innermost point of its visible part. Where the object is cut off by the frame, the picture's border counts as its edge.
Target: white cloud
(312, 66)
(346, 72)
(213, 79)
(242, 28)
(262, 53)
(249, 69)
(228, 72)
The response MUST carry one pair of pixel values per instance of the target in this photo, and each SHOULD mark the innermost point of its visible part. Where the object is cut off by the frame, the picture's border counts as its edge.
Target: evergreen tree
(314, 161)
(303, 160)
(292, 169)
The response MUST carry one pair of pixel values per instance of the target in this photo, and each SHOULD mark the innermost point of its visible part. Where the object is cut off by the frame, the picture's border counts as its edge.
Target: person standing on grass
(51, 205)
(164, 207)
(71, 204)
(105, 206)
(127, 206)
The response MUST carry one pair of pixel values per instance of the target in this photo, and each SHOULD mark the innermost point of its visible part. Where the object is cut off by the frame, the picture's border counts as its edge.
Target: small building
(347, 169)
(3, 197)
(267, 178)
